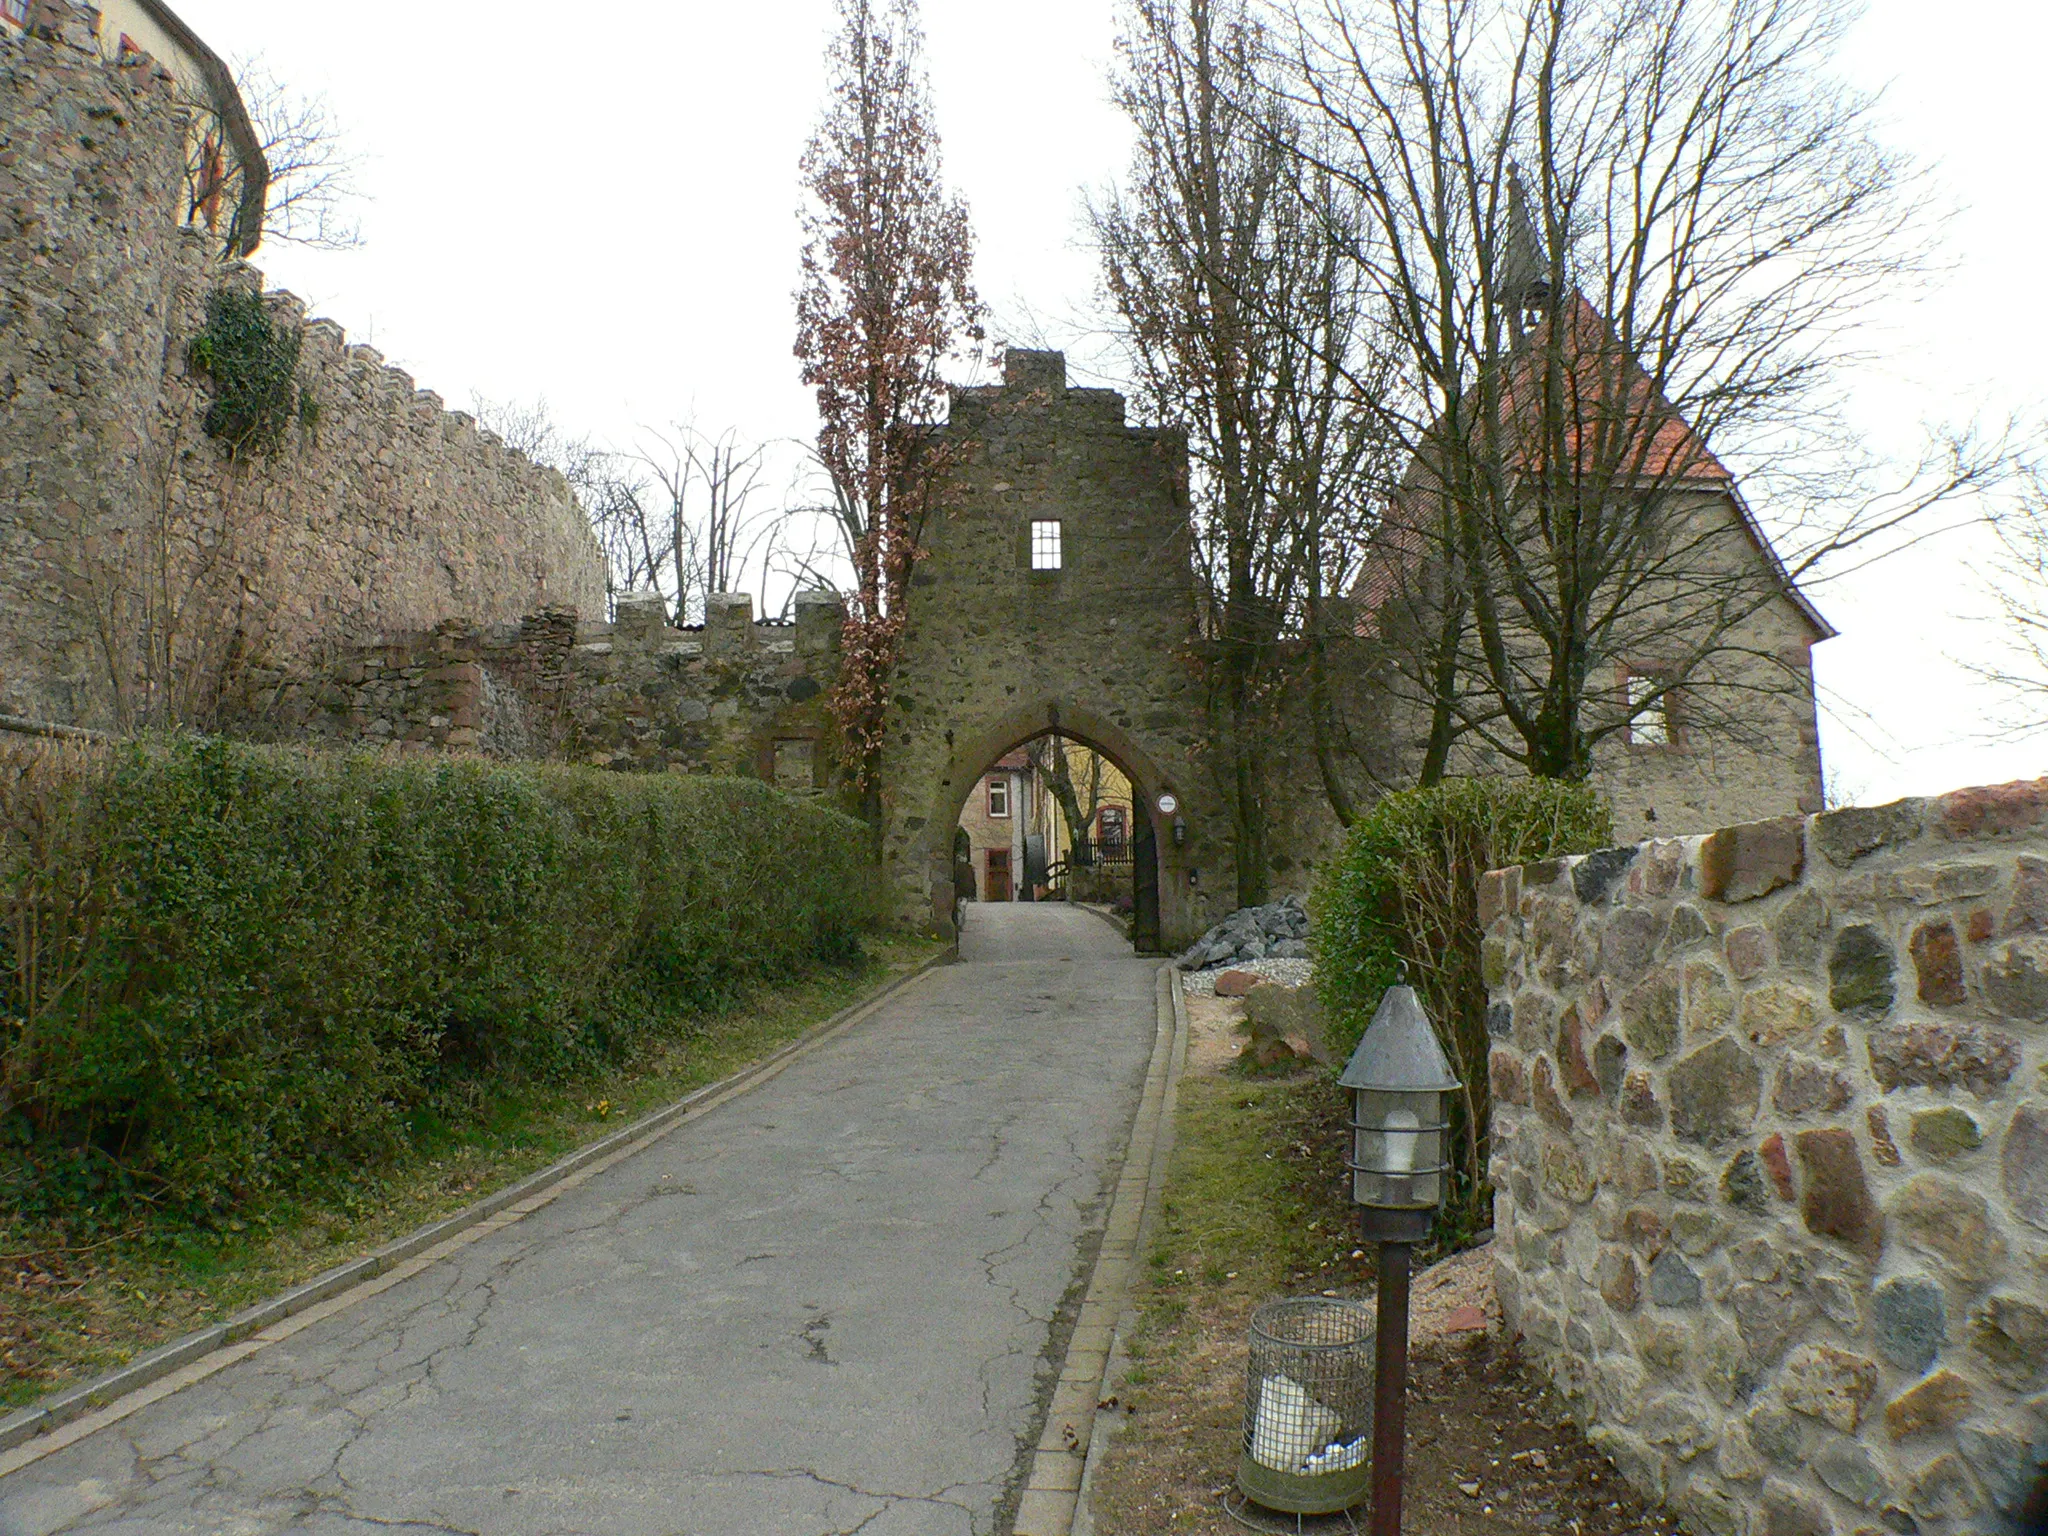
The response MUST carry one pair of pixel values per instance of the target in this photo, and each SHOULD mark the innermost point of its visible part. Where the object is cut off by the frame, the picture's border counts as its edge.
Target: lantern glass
(1397, 1156)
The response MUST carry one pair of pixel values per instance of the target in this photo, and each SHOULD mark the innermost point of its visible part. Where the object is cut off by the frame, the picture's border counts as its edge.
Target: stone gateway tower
(1056, 593)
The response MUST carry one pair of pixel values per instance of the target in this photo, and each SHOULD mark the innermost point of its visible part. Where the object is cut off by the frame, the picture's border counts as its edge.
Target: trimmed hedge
(1405, 891)
(235, 971)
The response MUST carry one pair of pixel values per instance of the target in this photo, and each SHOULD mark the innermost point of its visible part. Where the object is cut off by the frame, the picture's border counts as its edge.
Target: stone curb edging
(252, 1327)
(1067, 1449)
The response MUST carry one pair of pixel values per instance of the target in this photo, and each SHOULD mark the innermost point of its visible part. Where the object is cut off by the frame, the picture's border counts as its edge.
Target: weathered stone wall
(995, 653)
(729, 696)
(1771, 1150)
(1745, 736)
(92, 251)
(382, 515)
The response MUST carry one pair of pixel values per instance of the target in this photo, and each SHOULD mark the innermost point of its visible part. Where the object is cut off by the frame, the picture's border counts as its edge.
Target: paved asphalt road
(824, 1307)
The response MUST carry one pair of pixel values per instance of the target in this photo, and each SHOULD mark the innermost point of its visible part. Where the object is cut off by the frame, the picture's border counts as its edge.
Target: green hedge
(235, 970)
(1405, 891)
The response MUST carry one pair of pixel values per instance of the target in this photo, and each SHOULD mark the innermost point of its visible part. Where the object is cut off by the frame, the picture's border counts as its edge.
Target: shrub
(254, 365)
(1405, 893)
(234, 970)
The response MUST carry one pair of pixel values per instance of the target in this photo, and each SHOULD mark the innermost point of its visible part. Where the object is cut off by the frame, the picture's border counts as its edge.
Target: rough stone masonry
(382, 514)
(728, 696)
(1771, 1153)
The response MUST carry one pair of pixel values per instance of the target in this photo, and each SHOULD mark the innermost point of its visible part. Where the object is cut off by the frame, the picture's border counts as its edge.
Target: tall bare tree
(1241, 321)
(698, 494)
(1617, 243)
(886, 298)
(682, 512)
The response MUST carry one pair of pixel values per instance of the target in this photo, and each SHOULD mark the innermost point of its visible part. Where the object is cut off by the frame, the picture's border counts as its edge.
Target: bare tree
(886, 298)
(683, 512)
(1080, 800)
(1706, 218)
(2015, 662)
(632, 522)
(312, 189)
(709, 487)
(612, 488)
(170, 593)
(1242, 322)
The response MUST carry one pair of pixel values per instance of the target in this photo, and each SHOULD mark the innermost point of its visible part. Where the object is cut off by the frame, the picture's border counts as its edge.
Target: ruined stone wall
(729, 696)
(1770, 1148)
(124, 528)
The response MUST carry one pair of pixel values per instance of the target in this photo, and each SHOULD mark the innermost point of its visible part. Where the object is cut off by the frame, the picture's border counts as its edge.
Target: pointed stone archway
(1152, 838)
(1055, 594)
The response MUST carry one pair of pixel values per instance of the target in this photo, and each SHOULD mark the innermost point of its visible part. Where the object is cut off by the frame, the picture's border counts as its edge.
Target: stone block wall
(728, 696)
(1770, 1148)
(124, 528)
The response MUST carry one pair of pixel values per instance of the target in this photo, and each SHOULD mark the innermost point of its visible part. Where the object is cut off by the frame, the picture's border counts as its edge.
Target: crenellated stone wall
(1771, 1158)
(728, 696)
(137, 555)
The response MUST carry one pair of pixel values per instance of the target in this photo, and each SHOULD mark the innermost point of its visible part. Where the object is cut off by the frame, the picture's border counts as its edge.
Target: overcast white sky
(602, 213)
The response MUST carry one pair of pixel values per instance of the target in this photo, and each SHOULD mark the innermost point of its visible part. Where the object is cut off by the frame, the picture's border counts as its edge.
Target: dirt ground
(1491, 1451)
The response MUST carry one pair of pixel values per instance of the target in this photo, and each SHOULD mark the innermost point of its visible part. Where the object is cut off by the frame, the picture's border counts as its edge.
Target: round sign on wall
(1168, 805)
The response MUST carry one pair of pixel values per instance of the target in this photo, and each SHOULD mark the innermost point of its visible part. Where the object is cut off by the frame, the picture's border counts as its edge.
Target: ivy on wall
(253, 363)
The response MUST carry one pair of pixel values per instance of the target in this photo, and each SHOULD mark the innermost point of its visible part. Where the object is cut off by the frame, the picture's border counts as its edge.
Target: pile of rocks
(1277, 931)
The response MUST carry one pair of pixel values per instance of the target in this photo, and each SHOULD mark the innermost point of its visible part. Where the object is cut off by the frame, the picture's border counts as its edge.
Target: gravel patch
(1289, 973)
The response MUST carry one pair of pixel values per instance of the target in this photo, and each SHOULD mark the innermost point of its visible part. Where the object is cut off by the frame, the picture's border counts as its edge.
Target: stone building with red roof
(1575, 468)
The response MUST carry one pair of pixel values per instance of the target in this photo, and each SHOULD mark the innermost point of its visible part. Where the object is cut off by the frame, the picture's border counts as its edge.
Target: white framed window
(1045, 546)
(1649, 712)
(998, 795)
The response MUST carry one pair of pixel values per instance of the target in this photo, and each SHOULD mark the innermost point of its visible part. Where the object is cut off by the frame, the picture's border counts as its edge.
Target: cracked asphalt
(824, 1307)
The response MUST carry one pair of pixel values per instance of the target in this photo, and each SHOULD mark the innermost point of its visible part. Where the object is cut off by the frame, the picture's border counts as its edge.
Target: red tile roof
(1612, 439)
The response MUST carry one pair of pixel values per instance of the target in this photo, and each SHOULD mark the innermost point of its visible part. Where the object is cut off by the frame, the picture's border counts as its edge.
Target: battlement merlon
(1024, 369)
(1034, 378)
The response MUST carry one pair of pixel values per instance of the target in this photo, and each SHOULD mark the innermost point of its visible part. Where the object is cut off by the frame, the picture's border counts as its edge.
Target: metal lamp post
(1398, 1078)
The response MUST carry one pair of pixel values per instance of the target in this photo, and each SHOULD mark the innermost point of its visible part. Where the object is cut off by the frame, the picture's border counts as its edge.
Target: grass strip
(68, 1313)
(1254, 1207)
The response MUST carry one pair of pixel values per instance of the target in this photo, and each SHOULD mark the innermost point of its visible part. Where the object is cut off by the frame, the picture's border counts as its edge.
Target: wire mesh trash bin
(1308, 1406)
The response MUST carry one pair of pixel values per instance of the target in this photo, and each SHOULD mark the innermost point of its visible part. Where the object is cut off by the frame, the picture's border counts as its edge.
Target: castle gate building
(1057, 594)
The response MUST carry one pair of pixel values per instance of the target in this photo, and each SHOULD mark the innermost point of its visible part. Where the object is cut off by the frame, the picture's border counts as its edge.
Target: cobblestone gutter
(1771, 1147)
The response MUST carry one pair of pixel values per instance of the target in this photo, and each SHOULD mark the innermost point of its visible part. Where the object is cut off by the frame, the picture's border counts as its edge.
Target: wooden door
(997, 886)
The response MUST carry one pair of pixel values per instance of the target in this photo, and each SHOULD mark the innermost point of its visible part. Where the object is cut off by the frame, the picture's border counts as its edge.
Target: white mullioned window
(1649, 712)
(1045, 546)
(998, 795)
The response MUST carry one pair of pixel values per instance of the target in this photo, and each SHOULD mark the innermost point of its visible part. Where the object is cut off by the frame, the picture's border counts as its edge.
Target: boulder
(1287, 1013)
